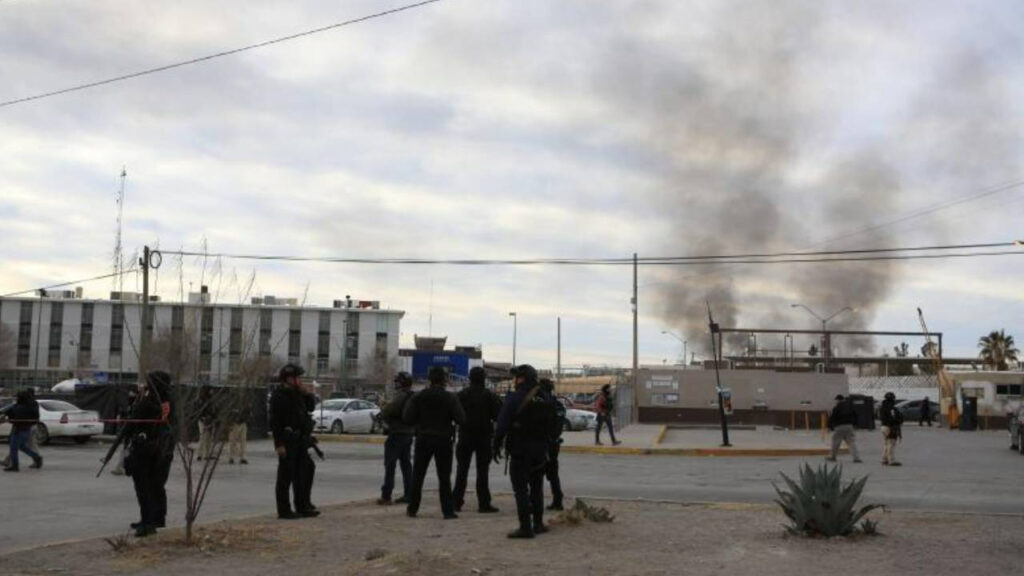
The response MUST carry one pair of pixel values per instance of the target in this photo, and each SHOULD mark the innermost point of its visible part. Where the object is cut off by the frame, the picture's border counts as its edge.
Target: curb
(661, 436)
(654, 450)
(351, 438)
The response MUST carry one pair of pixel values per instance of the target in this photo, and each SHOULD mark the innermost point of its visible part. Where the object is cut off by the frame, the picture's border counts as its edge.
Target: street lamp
(674, 335)
(515, 330)
(824, 333)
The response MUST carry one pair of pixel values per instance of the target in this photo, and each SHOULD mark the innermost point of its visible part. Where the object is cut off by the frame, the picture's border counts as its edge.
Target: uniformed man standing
(150, 451)
(526, 419)
(554, 444)
(398, 446)
(291, 427)
(434, 413)
(475, 437)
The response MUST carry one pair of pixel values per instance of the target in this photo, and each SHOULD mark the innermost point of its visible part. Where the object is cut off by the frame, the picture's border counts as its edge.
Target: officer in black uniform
(150, 451)
(291, 426)
(555, 444)
(526, 419)
(434, 412)
(398, 446)
(475, 437)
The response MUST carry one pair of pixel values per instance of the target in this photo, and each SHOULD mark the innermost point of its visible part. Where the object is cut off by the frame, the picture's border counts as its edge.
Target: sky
(529, 129)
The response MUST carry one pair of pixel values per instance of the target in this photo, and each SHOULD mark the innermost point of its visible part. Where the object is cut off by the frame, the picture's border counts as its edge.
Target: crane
(947, 399)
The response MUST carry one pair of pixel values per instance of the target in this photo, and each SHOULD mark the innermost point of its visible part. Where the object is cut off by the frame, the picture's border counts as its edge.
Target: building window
(85, 335)
(323, 342)
(235, 341)
(352, 342)
(56, 329)
(206, 340)
(294, 335)
(25, 333)
(1009, 389)
(266, 328)
(116, 335)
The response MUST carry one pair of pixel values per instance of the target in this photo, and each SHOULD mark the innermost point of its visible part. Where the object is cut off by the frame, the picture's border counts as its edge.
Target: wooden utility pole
(636, 348)
(146, 333)
(558, 362)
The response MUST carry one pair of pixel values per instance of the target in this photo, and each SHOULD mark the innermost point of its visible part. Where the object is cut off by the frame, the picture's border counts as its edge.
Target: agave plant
(819, 505)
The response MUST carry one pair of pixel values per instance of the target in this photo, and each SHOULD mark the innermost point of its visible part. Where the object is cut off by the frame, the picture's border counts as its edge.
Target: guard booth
(969, 417)
(864, 407)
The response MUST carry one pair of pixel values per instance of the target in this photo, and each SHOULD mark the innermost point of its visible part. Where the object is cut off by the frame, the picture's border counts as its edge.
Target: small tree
(997, 350)
(901, 368)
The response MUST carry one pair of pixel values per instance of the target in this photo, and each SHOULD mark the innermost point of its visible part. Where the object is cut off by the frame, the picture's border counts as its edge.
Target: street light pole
(515, 329)
(682, 340)
(825, 342)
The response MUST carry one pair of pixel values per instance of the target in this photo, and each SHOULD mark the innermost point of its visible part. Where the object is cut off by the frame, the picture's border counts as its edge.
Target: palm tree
(997, 350)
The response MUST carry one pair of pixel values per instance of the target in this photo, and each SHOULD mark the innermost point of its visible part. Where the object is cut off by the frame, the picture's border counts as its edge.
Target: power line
(925, 211)
(218, 54)
(63, 284)
(766, 258)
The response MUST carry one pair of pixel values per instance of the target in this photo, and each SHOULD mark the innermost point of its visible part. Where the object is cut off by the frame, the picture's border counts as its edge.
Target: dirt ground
(644, 539)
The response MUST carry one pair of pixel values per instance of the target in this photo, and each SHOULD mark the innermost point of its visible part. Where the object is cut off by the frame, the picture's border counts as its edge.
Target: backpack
(536, 418)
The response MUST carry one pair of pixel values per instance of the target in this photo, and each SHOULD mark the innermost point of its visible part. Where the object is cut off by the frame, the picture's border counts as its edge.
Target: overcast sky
(528, 128)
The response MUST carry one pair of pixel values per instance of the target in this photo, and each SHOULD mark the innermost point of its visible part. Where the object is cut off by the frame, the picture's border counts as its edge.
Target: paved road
(958, 471)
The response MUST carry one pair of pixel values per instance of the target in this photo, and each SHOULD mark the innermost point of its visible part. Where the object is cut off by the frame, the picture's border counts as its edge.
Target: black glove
(496, 452)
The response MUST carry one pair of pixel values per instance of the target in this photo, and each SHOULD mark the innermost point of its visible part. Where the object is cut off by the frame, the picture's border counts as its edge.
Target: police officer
(555, 444)
(526, 419)
(475, 436)
(291, 426)
(398, 446)
(434, 413)
(892, 426)
(150, 451)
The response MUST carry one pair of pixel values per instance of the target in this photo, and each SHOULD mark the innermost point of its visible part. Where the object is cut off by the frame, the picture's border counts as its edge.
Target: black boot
(521, 533)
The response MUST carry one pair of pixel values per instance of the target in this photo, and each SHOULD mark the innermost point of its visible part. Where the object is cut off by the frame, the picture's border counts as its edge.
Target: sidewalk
(665, 440)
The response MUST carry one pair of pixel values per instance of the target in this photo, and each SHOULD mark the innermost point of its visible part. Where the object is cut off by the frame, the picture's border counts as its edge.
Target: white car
(579, 419)
(346, 415)
(58, 419)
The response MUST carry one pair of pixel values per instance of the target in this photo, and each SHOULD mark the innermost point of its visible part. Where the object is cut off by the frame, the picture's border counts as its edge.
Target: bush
(582, 511)
(820, 505)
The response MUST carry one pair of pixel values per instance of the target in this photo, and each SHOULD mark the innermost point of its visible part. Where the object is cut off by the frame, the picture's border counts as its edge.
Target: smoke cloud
(767, 150)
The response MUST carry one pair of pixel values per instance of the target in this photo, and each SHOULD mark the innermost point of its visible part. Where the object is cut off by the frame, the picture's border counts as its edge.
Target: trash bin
(864, 407)
(969, 415)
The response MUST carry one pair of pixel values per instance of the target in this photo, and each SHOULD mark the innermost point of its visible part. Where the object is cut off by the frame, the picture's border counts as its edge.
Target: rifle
(313, 443)
(113, 448)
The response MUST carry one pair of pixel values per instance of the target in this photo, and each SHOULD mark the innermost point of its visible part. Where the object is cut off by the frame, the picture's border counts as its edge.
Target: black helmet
(289, 371)
(160, 382)
(527, 372)
(890, 396)
(477, 375)
(403, 380)
(547, 384)
(437, 375)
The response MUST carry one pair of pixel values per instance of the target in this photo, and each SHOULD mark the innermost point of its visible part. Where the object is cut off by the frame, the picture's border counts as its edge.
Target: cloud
(528, 129)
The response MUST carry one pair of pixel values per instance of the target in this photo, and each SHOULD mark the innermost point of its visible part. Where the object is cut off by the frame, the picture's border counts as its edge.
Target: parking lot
(943, 471)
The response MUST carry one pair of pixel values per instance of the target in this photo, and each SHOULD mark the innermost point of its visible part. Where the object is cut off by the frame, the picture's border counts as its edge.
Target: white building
(51, 337)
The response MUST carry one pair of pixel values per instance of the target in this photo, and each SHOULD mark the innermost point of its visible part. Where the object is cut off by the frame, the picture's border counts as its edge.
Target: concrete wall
(758, 396)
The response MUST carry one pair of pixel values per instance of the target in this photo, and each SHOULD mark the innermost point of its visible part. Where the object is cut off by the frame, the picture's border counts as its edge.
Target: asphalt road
(943, 471)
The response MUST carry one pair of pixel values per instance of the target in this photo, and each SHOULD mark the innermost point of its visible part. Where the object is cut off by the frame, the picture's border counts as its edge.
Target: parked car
(576, 419)
(60, 419)
(911, 410)
(346, 415)
(1017, 430)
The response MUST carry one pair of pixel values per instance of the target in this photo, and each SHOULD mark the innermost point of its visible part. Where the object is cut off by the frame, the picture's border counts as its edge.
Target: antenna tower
(118, 256)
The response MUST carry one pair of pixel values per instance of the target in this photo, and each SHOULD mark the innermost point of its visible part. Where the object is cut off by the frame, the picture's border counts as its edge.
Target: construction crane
(947, 398)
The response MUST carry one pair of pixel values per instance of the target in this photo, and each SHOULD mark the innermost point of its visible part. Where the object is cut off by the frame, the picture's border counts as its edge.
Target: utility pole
(558, 364)
(713, 327)
(636, 348)
(144, 263)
